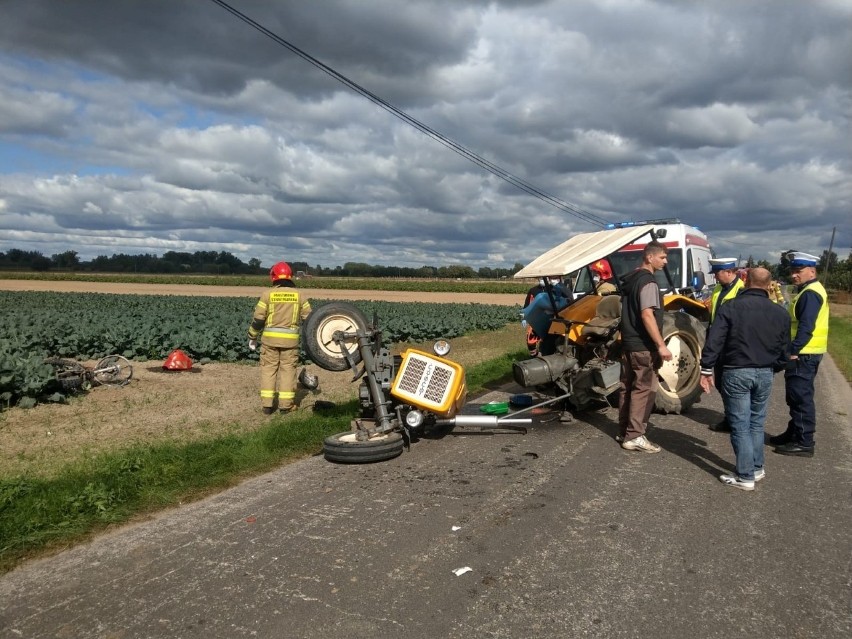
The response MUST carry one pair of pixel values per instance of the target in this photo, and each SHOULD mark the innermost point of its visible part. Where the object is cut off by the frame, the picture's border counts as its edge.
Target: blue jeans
(799, 378)
(745, 392)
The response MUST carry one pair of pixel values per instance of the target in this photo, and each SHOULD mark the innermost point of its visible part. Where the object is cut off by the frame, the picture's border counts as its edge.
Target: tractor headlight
(414, 418)
(441, 348)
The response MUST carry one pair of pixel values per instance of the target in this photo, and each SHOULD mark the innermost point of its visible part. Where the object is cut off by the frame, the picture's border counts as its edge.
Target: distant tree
(66, 260)
(41, 263)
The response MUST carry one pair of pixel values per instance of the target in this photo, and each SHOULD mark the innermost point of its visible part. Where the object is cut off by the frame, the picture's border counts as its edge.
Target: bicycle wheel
(113, 370)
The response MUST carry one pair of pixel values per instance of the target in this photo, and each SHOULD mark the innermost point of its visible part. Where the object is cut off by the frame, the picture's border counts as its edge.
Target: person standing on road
(277, 316)
(809, 318)
(728, 286)
(749, 341)
(643, 348)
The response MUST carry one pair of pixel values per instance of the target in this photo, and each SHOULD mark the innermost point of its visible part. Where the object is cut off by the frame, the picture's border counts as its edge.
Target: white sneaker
(759, 474)
(640, 443)
(735, 482)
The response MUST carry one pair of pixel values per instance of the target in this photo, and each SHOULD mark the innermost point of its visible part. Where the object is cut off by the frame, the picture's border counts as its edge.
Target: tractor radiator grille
(427, 382)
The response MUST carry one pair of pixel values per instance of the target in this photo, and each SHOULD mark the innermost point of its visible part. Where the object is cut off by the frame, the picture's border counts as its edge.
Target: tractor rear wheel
(680, 377)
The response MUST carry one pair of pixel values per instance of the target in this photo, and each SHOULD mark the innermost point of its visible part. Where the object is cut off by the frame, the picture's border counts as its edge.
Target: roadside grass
(840, 344)
(42, 515)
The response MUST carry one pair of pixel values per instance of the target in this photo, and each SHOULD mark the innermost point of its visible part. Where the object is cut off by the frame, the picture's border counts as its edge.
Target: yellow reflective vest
(819, 340)
(715, 302)
(278, 314)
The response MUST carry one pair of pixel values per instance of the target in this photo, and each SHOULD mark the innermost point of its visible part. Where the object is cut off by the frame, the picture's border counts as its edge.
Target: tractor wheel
(318, 335)
(680, 377)
(345, 448)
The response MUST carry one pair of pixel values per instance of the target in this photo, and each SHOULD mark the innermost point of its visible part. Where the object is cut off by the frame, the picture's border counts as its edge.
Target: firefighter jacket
(809, 316)
(720, 296)
(277, 315)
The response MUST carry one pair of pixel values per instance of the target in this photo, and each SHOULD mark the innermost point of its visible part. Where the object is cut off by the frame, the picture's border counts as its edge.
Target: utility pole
(828, 257)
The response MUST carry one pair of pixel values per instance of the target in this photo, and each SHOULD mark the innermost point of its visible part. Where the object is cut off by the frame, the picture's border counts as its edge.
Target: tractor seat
(606, 319)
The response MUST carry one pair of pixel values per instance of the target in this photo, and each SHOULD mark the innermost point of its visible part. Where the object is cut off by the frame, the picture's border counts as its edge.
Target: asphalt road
(566, 535)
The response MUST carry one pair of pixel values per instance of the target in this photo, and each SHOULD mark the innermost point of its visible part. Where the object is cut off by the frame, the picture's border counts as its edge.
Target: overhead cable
(489, 166)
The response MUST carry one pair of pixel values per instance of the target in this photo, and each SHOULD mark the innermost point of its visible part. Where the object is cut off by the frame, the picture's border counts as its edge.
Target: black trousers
(799, 381)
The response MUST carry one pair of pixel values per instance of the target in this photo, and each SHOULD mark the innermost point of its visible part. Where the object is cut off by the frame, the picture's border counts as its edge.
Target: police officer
(809, 329)
(728, 286)
(276, 320)
(728, 283)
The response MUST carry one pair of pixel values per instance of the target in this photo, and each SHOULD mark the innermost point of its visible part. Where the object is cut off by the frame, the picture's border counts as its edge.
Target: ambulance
(689, 252)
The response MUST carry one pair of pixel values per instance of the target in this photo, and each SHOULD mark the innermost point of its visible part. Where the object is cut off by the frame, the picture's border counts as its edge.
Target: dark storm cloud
(176, 125)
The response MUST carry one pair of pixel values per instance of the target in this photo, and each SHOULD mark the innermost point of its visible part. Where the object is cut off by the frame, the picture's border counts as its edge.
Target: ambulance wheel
(345, 448)
(319, 331)
(680, 377)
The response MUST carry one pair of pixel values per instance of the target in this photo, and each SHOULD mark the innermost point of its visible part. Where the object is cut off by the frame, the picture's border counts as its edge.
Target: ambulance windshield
(625, 261)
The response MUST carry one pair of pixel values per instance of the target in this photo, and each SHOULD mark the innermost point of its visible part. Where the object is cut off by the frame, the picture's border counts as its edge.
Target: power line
(489, 166)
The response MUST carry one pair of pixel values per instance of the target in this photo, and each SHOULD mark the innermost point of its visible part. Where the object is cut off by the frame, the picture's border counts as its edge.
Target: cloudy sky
(152, 125)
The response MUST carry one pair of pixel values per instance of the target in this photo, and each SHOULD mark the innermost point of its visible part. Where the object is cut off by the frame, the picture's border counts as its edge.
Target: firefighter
(278, 314)
(729, 284)
(602, 277)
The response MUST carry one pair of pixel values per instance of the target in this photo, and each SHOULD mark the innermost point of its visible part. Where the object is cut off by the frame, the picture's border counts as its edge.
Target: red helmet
(177, 361)
(602, 268)
(280, 271)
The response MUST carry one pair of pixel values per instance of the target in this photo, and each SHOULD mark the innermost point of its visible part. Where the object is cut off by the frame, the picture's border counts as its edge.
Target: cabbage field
(36, 325)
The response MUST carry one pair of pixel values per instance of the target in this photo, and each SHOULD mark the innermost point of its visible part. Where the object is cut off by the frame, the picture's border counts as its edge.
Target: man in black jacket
(750, 339)
(643, 349)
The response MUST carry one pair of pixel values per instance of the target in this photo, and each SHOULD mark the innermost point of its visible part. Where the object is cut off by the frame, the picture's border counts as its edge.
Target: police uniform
(723, 293)
(276, 320)
(809, 332)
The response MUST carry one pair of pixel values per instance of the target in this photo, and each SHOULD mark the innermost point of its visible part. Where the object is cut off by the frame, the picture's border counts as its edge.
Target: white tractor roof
(581, 250)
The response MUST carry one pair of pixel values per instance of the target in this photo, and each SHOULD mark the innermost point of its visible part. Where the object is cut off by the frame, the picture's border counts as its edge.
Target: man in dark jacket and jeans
(750, 339)
(643, 349)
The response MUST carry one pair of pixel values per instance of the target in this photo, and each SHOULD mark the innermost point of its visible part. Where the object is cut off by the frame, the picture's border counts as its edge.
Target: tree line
(224, 263)
(839, 272)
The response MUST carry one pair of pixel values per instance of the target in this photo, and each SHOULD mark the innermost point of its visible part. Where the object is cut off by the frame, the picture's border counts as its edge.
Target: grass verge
(39, 515)
(840, 344)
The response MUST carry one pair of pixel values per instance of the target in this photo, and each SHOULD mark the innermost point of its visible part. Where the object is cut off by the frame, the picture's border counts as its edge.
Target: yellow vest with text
(279, 312)
(717, 291)
(819, 340)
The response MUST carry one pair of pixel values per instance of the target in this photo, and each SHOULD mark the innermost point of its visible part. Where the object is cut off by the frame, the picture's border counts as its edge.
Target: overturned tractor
(579, 357)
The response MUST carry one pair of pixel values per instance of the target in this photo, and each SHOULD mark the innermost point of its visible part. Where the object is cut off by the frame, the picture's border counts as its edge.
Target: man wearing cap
(728, 286)
(809, 330)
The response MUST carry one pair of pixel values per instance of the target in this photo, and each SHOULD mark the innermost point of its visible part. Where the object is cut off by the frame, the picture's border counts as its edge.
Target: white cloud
(186, 130)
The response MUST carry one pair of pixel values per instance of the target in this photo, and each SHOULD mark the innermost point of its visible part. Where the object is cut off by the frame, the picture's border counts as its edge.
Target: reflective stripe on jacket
(278, 314)
(818, 343)
(715, 302)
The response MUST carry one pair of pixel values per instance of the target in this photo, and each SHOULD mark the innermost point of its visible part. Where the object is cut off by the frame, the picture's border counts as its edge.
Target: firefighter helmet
(177, 361)
(281, 271)
(602, 268)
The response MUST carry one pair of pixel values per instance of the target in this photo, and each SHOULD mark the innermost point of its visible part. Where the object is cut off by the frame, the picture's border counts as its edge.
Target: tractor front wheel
(335, 319)
(346, 448)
